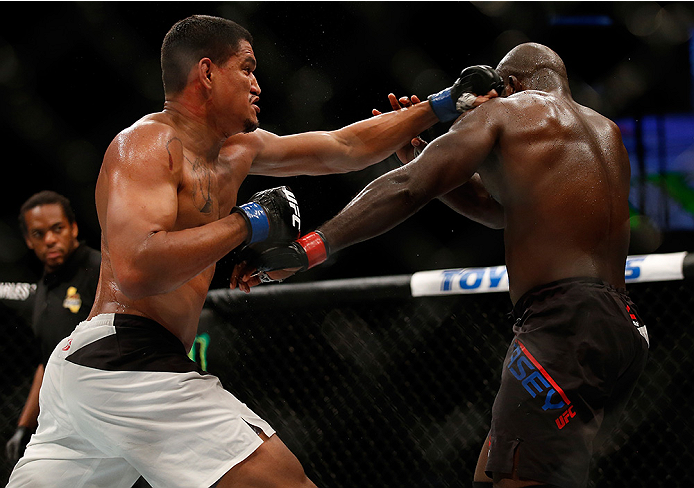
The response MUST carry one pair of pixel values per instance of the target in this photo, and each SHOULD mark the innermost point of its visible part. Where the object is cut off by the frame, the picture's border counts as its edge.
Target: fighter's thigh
(501, 480)
(480, 475)
(45, 472)
(271, 465)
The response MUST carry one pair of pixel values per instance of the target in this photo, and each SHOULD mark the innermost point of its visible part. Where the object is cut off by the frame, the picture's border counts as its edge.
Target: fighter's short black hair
(194, 38)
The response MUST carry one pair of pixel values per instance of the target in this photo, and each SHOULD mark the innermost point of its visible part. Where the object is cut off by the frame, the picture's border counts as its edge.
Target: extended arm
(470, 199)
(447, 162)
(348, 149)
(369, 141)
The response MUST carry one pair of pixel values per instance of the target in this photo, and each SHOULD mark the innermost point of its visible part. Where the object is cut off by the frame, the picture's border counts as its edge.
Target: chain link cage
(370, 387)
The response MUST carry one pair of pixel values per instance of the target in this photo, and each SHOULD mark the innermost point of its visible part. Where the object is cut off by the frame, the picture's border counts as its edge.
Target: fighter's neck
(194, 128)
(550, 82)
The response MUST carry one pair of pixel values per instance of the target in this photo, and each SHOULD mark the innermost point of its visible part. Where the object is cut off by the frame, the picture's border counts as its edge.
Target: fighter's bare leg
(272, 465)
(501, 480)
(480, 476)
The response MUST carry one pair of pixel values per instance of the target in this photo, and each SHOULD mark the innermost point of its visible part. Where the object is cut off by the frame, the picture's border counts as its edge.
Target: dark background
(414, 373)
(72, 75)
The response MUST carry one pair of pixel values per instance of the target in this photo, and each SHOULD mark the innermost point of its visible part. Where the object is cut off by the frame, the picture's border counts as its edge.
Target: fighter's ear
(513, 85)
(204, 71)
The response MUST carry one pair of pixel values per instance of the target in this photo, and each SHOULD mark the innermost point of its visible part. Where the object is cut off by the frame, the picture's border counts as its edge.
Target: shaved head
(536, 66)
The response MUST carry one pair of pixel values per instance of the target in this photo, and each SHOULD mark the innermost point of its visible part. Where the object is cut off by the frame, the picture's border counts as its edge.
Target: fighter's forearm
(376, 138)
(30, 413)
(474, 202)
(166, 260)
(382, 205)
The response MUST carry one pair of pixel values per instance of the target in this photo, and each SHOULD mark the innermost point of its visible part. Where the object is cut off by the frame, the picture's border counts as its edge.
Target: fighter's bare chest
(207, 191)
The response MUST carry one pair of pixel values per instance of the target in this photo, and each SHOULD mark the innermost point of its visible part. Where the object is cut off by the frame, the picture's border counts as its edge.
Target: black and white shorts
(120, 398)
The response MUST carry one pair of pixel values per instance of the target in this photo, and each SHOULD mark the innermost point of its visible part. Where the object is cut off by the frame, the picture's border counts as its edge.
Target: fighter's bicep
(142, 199)
(452, 159)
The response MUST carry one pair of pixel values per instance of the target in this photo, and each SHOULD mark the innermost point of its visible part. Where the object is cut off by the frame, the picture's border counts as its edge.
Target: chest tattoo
(202, 186)
(201, 179)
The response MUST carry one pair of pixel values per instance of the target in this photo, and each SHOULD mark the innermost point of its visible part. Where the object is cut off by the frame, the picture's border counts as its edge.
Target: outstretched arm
(447, 162)
(471, 199)
(369, 141)
(351, 148)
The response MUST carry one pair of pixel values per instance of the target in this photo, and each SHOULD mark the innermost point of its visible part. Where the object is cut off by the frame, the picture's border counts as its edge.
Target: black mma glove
(14, 449)
(272, 216)
(305, 253)
(474, 81)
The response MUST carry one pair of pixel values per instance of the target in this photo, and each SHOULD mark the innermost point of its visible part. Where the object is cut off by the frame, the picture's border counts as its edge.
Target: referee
(64, 295)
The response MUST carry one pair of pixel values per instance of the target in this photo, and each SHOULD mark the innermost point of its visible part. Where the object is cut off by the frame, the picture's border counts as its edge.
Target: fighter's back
(562, 176)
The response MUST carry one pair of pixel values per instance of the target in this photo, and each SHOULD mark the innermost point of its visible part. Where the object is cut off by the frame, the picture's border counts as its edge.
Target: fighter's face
(236, 92)
(50, 235)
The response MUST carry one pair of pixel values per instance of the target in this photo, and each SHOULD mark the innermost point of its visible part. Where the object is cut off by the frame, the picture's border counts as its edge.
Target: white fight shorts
(120, 398)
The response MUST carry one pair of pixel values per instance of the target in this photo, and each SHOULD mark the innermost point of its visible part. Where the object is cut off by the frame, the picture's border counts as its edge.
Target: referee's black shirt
(65, 298)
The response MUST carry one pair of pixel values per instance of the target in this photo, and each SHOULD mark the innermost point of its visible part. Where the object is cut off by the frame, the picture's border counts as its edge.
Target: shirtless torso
(194, 190)
(555, 175)
(168, 183)
(561, 172)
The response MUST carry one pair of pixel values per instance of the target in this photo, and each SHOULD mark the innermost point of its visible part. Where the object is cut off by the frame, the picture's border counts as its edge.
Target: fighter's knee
(272, 465)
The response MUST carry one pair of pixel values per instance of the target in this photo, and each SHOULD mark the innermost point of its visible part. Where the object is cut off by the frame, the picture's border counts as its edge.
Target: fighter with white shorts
(108, 399)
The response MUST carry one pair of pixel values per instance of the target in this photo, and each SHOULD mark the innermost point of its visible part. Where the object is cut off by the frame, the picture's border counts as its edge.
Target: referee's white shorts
(120, 398)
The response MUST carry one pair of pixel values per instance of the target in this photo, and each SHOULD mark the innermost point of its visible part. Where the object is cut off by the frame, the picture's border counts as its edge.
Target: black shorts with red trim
(578, 351)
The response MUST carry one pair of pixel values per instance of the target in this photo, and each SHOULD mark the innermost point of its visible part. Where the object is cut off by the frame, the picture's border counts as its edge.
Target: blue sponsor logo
(533, 380)
(473, 278)
(632, 271)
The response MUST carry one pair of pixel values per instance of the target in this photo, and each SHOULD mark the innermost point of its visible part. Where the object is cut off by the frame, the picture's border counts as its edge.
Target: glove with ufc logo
(272, 216)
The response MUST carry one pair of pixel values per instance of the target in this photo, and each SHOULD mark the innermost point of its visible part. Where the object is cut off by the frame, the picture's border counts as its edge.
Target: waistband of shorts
(130, 343)
(122, 319)
(125, 321)
(552, 287)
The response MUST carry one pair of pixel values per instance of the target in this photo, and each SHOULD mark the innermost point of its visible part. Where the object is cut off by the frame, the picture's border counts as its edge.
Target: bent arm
(470, 199)
(149, 254)
(473, 201)
(351, 148)
(30, 413)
